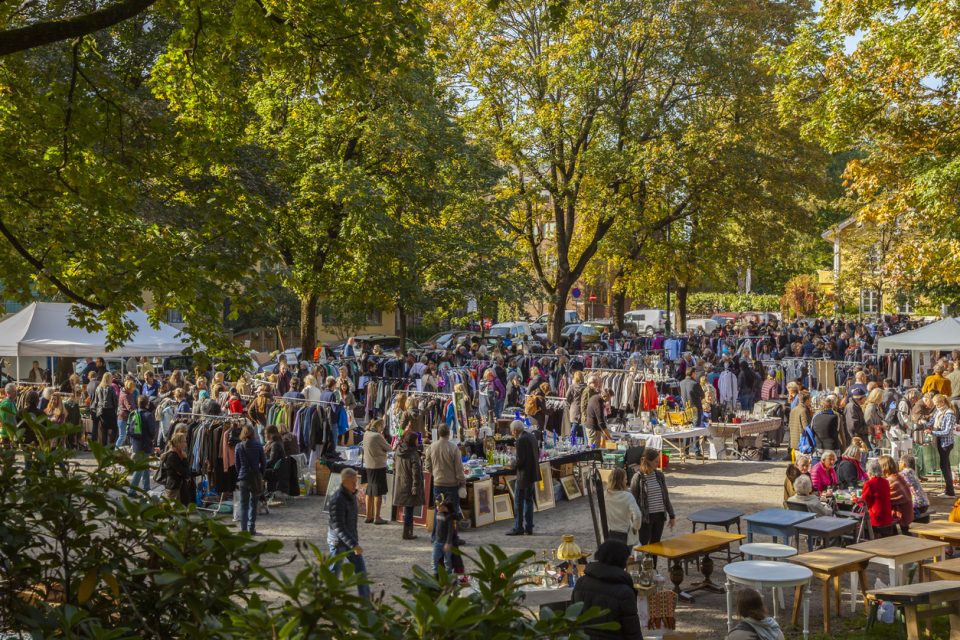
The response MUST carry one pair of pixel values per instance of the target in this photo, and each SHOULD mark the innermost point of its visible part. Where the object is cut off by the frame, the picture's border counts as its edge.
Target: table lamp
(570, 552)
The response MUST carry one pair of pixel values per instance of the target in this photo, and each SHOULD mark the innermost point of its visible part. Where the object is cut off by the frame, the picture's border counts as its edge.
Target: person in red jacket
(876, 498)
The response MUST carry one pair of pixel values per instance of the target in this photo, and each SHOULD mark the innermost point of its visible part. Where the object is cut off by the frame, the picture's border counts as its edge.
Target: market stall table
(897, 551)
(763, 574)
(831, 565)
(826, 528)
(688, 547)
(724, 431)
(779, 523)
(677, 441)
(943, 531)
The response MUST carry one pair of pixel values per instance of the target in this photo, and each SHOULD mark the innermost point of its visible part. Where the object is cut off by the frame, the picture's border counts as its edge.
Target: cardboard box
(563, 470)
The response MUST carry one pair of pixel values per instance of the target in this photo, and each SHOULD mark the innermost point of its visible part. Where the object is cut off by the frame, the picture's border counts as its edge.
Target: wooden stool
(941, 592)
(830, 565)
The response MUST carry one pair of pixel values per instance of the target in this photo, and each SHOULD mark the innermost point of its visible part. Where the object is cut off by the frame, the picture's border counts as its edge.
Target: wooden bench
(945, 593)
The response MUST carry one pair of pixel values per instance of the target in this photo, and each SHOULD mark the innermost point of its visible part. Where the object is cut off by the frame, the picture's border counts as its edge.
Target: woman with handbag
(174, 471)
(251, 463)
(408, 480)
(649, 489)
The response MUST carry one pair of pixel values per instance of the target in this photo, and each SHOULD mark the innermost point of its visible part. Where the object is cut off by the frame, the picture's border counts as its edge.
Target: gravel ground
(749, 486)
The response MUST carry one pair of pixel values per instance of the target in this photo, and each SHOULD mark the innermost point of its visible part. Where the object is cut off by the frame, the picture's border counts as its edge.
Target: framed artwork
(543, 490)
(502, 507)
(570, 487)
(511, 482)
(483, 503)
(419, 513)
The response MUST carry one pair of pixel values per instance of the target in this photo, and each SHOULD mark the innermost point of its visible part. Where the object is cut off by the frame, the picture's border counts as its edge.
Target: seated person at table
(908, 471)
(754, 623)
(876, 498)
(606, 584)
(804, 496)
(823, 475)
(804, 462)
(900, 497)
(789, 482)
(849, 471)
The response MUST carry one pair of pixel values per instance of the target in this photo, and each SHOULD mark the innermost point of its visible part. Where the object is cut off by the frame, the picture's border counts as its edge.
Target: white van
(513, 330)
(570, 316)
(648, 321)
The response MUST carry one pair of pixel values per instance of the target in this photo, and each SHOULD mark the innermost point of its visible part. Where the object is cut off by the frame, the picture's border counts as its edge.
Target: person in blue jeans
(528, 474)
(445, 528)
(250, 460)
(142, 431)
(342, 534)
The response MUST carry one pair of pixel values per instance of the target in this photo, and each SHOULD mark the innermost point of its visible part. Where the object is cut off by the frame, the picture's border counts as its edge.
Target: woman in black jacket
(606, 584)
(408, 481)
(825, 426)
(649, 488)
(178, 481)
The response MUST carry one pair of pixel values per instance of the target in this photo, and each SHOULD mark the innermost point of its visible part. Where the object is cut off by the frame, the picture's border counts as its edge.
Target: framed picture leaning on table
(543, 490)
(570, 487)
(483, 503)
(502, 507)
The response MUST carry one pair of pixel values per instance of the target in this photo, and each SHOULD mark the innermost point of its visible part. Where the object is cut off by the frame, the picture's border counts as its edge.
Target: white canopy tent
(43, 329)
(938, 336)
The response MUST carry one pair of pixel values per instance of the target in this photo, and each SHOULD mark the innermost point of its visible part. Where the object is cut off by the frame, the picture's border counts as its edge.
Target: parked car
(387, 343)
(114, 365)
(514, 331)
(570, 316)
(709, 325)
(590, 334)
(723, 319)
(450, 339)
(649, 321)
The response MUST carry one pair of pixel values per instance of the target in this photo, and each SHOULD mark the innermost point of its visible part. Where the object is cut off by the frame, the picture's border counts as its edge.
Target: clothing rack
(230, 416)
(439, 394)
(304, 401)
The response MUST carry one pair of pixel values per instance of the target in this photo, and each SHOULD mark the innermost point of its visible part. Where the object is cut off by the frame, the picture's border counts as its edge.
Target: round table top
(768, 550)
(767, 573)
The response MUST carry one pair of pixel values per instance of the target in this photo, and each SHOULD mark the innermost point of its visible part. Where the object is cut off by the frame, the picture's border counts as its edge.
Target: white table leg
(729, 586)
(854, 588)
(778, 594)
(806, 612)
(774, 598)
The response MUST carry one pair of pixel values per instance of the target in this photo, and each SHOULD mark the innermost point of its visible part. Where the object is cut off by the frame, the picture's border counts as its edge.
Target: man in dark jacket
(692, 394)
(142, 432)
(854, 420)
(342, 534)
(528, 473)
(824, 425)
(595, 418)
(606, 584)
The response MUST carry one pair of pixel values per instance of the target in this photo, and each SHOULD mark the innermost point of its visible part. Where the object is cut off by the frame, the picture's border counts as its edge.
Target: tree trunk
(558, 305)
(402, 323)
(308, 324)
(619, 307)
(682, 309)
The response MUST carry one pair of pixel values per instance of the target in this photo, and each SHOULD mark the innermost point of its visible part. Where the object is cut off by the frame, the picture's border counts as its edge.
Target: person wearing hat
(607, 585)
(854, 420)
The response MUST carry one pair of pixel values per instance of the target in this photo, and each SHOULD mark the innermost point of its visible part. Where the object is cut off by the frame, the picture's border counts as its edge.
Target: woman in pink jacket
(823, 475)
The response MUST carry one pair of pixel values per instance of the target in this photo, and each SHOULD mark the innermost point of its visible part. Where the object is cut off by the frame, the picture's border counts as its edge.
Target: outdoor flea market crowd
(422, 432)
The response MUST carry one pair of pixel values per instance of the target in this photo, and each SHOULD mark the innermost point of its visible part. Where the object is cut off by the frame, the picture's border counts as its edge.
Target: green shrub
(80, 559)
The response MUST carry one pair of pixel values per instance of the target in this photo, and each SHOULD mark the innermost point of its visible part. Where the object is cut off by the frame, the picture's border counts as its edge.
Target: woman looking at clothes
(408, 480)
(375, 450)
(649, 489)
(623, 512)
(126, 404)
(177, 478)
(251, 462)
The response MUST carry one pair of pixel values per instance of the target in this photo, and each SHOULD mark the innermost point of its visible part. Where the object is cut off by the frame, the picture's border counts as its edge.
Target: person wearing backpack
(251, 464)
(141, 432)
(799, 424)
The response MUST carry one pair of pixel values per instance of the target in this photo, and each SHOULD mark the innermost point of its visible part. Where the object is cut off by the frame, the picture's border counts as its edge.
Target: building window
(172, 316)
(904, 303)
(869, 301)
